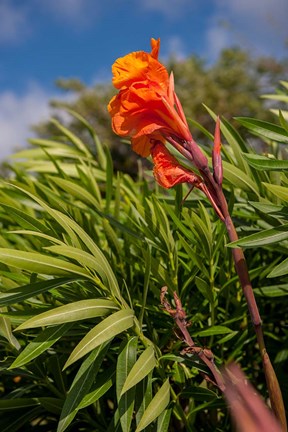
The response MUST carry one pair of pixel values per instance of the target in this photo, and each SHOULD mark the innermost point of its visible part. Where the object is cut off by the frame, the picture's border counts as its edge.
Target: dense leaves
(84, 254)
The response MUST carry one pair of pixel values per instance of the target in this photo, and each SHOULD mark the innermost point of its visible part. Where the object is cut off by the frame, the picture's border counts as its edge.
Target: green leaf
(39, 263)
(268, 208)
(156, 406)
(81, 385)
(199, 393)
(214, 330)
(72, 137)
(96, 252)
(106, 330)
(126, 360)
(75, 190)
(279, 191)
(145, 363)
(24, 292)
(279, 270)
(17, 403)
(6, 331)
(53, 405)
(40, 344)
(82, 257)
(143, 396)
(172, 357)
(266, 237)
(204, 289)
(272, 291)
(103, 384)
(163, 421)
(239, 179)
(264, 163)
(264, 129)
(82, 309)
(25, 220)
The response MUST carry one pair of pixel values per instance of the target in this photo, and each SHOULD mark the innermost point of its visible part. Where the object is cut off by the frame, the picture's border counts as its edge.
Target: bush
(84, 255)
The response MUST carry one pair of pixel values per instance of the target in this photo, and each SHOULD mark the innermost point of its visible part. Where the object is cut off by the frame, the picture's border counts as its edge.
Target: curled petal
(155, 45)
(167, 170)
(136, 67)
(143, 144)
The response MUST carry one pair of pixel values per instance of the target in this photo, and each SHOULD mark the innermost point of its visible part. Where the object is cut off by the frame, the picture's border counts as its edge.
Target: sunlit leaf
(39, 263)
(263, 238)
(40, 344)
(145, 363)
(265, 129)
(156, 406)
(264, 163)
(214, 330)
(101, 333)
(71, 312)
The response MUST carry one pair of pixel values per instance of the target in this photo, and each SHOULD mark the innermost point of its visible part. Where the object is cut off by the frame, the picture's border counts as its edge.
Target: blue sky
(42, 40)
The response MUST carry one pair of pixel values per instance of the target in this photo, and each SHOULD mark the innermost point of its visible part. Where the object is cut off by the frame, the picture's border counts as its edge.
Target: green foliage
(84, 254)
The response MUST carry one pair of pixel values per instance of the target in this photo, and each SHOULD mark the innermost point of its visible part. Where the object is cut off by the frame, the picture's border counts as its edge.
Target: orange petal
(138, 67)
(155, 45)
(142, 145)
(167, 170)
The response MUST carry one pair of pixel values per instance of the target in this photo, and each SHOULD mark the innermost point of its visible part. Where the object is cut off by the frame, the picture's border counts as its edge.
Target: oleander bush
(84, 253)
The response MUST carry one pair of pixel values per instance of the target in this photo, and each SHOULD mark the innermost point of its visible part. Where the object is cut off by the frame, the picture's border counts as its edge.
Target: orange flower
(167, 170)
(146, 107)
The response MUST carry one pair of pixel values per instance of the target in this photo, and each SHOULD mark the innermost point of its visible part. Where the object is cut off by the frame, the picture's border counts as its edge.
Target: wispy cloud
(176, 48)
(18, 113)
(259, 26)
(168, 8)
(13, 22)
(17, 19)
(78, 11)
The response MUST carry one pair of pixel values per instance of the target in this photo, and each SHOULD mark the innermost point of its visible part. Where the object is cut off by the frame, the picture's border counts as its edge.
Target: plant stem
(243, 274)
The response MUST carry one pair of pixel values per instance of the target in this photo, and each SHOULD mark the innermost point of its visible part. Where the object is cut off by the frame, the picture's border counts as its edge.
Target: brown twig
(181, 322)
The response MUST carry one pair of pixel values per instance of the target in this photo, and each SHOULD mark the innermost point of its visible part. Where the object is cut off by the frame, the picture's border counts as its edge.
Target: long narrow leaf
(145, 363)
(81, 385)
(40, 344)
(106, 330)
(40, 263)
(24, 292)
(156, 406)
(263, 238)
(125, 362)
(71, 312)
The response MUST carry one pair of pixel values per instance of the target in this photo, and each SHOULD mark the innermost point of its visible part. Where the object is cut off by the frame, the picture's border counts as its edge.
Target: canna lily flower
(146, 109)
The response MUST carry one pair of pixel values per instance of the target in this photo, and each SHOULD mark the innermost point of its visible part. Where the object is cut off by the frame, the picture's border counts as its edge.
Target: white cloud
(257, 25)
(78, 11)
(169, 8)
(217, 39)
(18, 113)
(13, 22)
(17, 19)
(176, 48)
